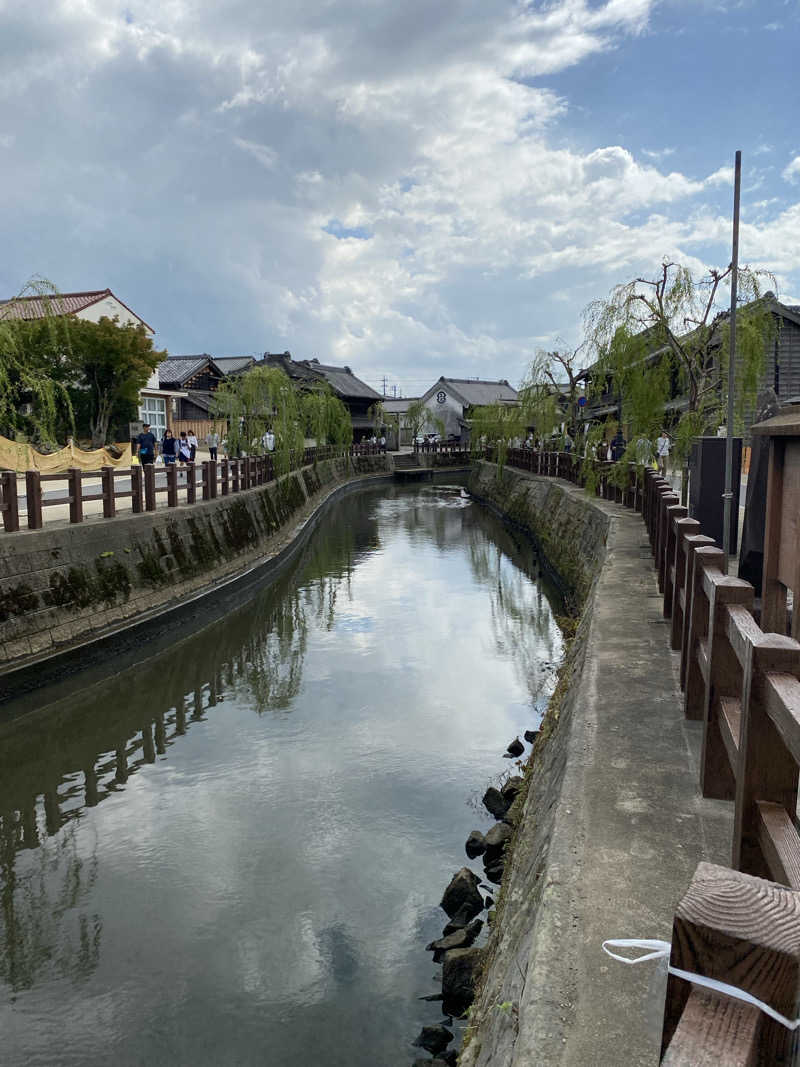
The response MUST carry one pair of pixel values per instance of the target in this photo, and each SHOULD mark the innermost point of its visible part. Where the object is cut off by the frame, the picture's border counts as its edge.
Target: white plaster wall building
(450, 400)
(92, 305)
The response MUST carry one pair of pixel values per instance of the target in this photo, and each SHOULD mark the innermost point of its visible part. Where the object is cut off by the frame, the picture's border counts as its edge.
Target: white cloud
(191, 159)
(792, 171)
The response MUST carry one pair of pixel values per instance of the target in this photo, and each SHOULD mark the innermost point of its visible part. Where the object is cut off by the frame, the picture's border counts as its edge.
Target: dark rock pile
(462, 902)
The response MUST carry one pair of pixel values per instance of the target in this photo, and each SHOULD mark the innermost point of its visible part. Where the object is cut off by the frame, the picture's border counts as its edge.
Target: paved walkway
(630, 828)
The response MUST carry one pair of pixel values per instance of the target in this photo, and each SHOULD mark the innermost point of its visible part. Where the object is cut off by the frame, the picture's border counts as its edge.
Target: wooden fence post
(172, 485)
(683, 527)
(745, 932)
(191, 484)
(137, 496)
(697, 658)
(33, 497)
(769, 752)
(75, 490)
(693, 542)
(223, 477)
(722, 702)
(236, 475)
(206, 480)
(665, 500)
(674, 512)
(10, 501)
(149, 486)
(109, 501)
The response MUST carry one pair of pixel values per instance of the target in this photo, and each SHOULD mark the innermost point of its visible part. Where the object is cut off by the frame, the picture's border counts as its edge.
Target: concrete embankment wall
(66, 585)
(612, 827)
(572, 531)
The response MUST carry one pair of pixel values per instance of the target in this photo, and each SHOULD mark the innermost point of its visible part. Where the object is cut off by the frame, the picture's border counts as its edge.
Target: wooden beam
(714, 1031)
(743, 931)
(780, 843)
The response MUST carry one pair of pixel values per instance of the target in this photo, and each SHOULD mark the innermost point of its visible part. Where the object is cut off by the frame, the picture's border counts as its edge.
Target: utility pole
(384, 385)
(727, 496)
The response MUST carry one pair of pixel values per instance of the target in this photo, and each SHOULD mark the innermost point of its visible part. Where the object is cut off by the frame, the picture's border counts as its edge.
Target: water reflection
(296, 855)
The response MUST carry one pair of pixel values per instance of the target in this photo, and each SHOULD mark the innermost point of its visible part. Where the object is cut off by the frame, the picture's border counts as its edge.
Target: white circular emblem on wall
(441, 396)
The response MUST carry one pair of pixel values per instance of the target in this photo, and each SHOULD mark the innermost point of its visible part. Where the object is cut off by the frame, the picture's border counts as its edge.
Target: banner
(15, 456)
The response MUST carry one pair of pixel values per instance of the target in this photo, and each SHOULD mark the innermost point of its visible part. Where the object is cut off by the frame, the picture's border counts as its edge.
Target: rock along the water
(495, 803)
(474, 845)
(462, 893)
(516, 748)
(459, 974)
(433, 1039)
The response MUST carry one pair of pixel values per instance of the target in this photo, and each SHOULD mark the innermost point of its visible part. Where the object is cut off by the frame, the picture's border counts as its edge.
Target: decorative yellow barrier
(15, 456)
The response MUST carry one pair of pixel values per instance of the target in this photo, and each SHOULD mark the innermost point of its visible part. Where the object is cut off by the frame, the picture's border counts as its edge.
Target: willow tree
(33, 359)
(667, 338)
(539, 395)
(261, 400)
(496, 426)
(326, 418)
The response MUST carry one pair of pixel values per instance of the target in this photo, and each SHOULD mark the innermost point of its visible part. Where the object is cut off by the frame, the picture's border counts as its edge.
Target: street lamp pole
(727, 496)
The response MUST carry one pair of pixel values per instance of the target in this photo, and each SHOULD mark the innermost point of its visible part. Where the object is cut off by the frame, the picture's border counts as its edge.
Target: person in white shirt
(191, 437)
(268, 441)
(663, 445)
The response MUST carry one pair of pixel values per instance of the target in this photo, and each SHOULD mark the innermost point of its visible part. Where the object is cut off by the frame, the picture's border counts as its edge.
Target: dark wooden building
(356, 395)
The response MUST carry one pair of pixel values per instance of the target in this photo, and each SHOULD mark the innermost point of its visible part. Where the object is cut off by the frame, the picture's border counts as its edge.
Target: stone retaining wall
(572, 531)
(64, 585)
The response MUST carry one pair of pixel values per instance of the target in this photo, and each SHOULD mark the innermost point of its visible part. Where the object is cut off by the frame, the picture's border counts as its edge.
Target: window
(153, 409)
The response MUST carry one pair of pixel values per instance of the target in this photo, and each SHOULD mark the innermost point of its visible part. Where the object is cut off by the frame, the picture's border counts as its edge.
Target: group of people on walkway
(612, 451)
(172, 449)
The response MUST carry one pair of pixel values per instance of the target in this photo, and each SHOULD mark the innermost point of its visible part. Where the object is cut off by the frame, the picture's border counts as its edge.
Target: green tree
(668, 336)
(260, 400)
(496, 425)
(109, 364)
(417, 417)
(34, 399)
(549, 394)
(326, 418)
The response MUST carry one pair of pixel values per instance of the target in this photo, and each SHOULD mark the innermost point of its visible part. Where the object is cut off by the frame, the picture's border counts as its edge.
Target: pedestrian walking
(146, 445)
(663, 445)
(169, 448)
(184, 448)
(618, 446)
(212, 440)
(193, 443)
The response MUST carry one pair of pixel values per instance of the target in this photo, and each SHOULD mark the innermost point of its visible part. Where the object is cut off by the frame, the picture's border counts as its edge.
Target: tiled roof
(231, 364)
(477, 392)
(399, 405)
(37, 307)
(341, 380)
(179, 369)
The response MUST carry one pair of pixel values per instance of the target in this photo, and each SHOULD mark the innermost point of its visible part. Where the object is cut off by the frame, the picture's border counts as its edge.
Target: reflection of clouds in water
(282, 962)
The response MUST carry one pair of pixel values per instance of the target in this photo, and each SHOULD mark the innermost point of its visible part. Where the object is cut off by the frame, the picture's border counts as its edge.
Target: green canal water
(233, 853)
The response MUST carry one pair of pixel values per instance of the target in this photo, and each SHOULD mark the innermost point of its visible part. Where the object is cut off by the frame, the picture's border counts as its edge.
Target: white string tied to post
(658, 950)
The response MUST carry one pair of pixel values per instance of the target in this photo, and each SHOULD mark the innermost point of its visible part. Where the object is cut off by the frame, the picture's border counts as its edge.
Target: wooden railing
(179, 484)
(744, 686)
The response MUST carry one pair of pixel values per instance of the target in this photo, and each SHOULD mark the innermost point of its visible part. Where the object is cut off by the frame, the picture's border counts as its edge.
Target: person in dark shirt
(618, 446)
(169, 447)
(146, 444)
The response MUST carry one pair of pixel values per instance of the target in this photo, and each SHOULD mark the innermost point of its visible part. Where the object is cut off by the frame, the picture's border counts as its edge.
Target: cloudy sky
(414, 188)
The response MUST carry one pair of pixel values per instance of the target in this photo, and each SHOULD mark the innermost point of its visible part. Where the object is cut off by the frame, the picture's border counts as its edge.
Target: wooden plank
(779, 842)
(743, 931)
(702, 657)
(742, 630)
(714, 1031)
(730, 722)
(782, 702)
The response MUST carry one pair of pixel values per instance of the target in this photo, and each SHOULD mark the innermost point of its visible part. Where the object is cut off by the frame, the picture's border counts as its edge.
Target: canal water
(233, 853)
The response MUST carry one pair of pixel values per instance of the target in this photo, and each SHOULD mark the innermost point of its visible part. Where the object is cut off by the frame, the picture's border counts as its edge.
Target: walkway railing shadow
(744, 686)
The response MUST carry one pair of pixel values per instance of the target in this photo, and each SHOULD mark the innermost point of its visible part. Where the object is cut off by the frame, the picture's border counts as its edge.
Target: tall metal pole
(727, 496)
